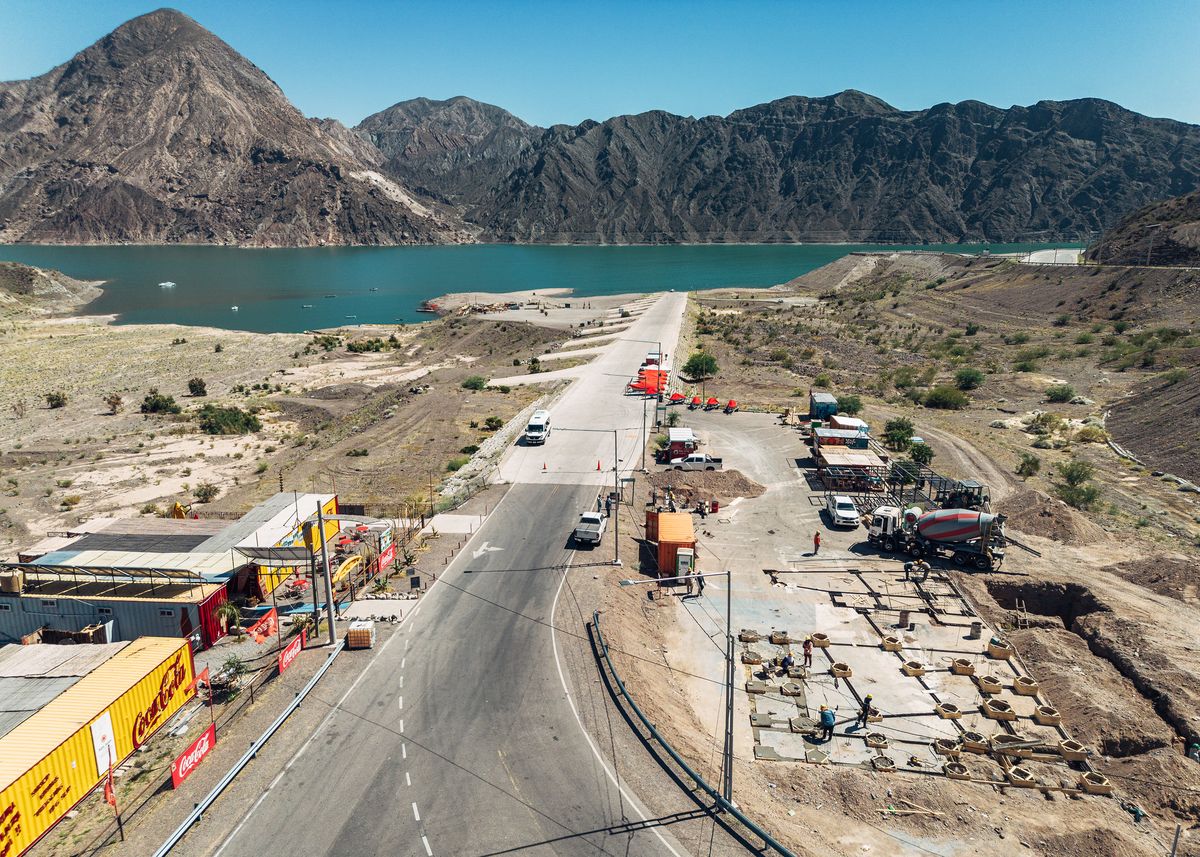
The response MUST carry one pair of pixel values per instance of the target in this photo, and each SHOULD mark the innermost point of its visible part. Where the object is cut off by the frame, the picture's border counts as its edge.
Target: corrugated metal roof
(21, 698)
(843, 456)
(675, 527)
(824, 398)
(680, 435)
(36, 737)
(268, 522)
(55, 661)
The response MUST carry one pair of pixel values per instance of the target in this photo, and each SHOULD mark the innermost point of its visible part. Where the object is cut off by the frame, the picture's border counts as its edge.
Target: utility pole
(617, 504)
(329, 610)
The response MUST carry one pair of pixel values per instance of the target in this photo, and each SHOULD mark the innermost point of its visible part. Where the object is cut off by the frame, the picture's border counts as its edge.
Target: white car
(842, 511)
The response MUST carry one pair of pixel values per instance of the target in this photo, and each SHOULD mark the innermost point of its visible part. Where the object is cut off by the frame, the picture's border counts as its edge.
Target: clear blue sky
(568, 61)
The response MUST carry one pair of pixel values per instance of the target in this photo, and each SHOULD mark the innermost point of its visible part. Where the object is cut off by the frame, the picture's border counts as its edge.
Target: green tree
(921, 453)
(206, 492)
(1029, 465)
(849, 405)
(475, 382)
(197, 387)
(898, 432)
(968, 378)
(230, 616)
(700, 366)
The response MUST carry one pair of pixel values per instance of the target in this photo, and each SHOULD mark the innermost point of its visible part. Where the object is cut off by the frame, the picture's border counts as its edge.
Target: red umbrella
(712, 401)
(677, 397)
(732, 405)
(696, 401)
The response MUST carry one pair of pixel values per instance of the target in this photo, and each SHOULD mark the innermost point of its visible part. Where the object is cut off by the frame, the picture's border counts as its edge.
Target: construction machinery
(968, 537)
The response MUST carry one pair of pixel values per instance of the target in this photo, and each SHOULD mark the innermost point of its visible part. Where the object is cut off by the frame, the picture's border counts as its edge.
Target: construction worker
(865, 712)
(808, 647)
(828, 720)
(699, 583)
(786, 664)
(608, 506)
(816, 542)
(687, 582)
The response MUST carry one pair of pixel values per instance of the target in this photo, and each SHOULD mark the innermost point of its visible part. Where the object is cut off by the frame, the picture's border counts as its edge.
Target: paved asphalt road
(460, 737)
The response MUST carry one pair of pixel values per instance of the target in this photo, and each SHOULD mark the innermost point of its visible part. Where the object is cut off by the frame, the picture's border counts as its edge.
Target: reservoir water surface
(360, 285)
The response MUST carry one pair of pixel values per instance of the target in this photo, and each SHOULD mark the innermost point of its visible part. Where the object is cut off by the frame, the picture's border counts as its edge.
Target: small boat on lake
(234, 308)
(167, 285)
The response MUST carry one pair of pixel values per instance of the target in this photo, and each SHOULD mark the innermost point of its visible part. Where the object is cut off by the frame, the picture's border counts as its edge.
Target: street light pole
(727, 743)
(1150, 249)
(616, 487)
(645, 440)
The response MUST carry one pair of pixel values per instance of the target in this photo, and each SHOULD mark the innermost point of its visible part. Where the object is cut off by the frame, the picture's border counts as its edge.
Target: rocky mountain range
(160, 132)
(1163, 233)
(842, 168)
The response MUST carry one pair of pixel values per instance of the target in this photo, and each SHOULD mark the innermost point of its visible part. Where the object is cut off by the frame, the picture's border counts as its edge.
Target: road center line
(400, 702)
(416, 815)
(407, 779)
(404, 751)
(428, 850)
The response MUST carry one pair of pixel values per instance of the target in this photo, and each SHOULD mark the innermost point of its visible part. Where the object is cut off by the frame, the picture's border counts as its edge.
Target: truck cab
(538, 429)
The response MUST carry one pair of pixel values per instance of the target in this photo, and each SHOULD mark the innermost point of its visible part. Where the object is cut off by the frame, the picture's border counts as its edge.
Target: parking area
(950, 701)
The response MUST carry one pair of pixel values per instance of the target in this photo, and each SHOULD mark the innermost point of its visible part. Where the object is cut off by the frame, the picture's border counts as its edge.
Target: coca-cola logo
(291, 652)
(193, 755)
(147, 721)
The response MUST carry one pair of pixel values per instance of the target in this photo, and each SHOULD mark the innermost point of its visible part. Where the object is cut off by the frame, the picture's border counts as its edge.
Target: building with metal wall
(68, 714)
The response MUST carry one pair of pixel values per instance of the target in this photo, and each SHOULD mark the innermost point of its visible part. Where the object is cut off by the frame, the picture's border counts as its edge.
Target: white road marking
(275, 781)
(403, 661)
(401, 725)
(428, 850)
(401, 681)
(416, 815)
(592, 744)
(407, 779)
(400, 702)
(404, 751)
(482, 549)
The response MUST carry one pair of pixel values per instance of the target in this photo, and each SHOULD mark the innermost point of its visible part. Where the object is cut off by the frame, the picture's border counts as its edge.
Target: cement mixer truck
(967, 537)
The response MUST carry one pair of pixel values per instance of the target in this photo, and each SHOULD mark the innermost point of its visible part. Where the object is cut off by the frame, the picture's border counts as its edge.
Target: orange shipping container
(674, 531)
(52, 760)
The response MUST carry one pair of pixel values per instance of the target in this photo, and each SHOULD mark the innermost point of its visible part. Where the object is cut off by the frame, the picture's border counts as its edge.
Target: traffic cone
(597, 464)
(543, 467)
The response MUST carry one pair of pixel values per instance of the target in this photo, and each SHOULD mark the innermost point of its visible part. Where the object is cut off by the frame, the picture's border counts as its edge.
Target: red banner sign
(289, 652)
(264, 627)
(183, 766)
(387, 557)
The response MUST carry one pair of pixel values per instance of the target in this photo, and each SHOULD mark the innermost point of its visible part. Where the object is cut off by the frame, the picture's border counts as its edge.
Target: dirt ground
(1108, 620)
(385, 428)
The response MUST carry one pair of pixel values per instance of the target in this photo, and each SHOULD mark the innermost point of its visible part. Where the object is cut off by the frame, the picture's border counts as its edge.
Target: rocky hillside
(160, 132)
(455, 150)
(25, 290)
(845, 167)
(1164, 233)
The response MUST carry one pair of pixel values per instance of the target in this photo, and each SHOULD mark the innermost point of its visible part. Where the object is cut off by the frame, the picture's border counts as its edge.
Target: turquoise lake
(386, 284)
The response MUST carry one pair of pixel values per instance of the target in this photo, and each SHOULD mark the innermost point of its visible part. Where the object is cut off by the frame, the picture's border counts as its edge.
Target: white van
(538, 429)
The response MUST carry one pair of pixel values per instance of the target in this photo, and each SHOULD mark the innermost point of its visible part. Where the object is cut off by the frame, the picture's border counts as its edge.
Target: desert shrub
(261, 468)
(205, 492)
(71, 500)
(475, 382)
(56, 399)
(849, 405)
(1045, 423)
(1060, 393)
(1029, 465)
(158, 403)
(1091, 434)
(1076, 489)
(972, 329)
(1062, 321)
(197, 387)
(360, 452)
(968, 378)
(823, 381)
(215, 419)
(946, 398)
(114, 402)
(1173, 376)
(1016, 338)
(469, 449)
(493, 423)
(457, 463)
(218, 348)
(1085, 339)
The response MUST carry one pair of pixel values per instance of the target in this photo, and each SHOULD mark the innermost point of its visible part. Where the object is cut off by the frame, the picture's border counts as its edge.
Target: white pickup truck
(590, 529)
(696, 461)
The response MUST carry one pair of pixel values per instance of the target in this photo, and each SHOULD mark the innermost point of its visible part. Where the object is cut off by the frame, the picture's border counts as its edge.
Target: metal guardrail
(208, 800)
(726, 806)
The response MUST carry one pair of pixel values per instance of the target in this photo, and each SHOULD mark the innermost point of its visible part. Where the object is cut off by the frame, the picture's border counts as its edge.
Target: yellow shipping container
(52, 760)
